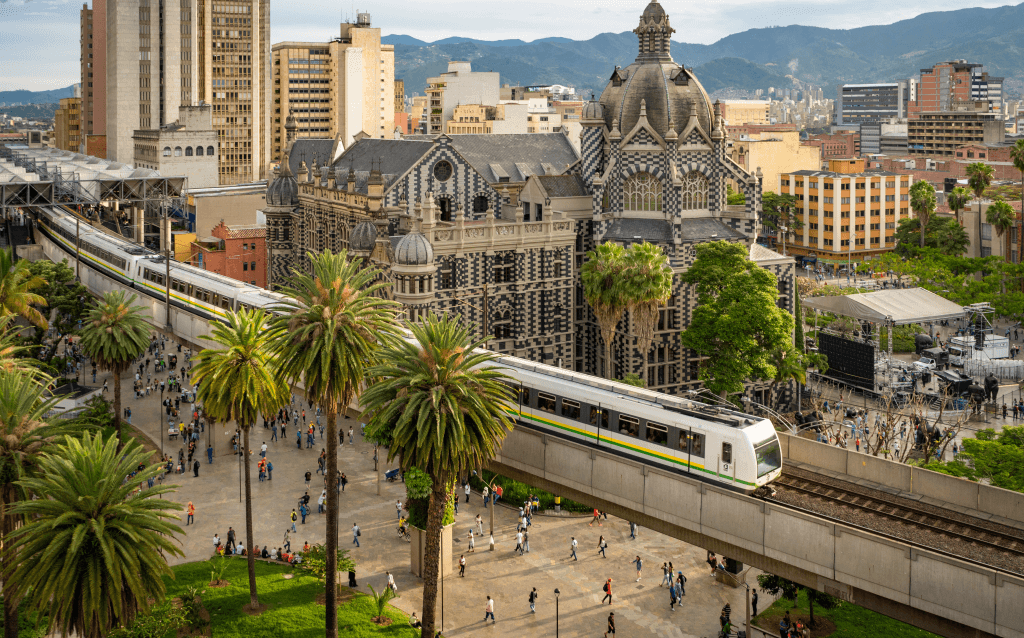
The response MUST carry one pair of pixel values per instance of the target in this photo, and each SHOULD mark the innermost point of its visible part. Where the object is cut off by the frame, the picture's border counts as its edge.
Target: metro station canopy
(901, 306)
(44, 176)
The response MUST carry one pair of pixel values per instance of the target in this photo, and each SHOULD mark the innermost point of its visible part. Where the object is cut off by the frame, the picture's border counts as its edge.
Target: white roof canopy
(903, 306)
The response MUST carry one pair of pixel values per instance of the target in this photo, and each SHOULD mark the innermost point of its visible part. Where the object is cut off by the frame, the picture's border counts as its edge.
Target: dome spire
(655, 35)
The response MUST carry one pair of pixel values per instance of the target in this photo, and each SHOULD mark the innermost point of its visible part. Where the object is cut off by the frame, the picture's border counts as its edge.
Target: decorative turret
(655, 35)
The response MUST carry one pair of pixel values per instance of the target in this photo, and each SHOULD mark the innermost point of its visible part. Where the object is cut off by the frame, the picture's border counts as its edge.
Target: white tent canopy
(902, 306)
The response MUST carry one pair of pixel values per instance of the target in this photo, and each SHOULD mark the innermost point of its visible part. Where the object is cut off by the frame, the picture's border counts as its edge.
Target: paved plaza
(641, 608)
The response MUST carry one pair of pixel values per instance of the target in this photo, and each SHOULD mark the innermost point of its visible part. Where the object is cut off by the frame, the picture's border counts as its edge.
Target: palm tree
(958, 199)
(1002, 217)
(237, 383)
(14, 357)
(789, 366)
(327, 332)
(1017, 157)
(951, 238)
(922, 200)
(979, 177)
(92, 553)
(605, 290)
(443, 410)
(114, 335)
(24, 435)
(649, 286)
(16, 286)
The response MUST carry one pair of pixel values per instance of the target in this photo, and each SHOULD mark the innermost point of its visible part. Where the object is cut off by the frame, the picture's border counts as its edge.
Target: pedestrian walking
(519, 543)
(480, 524)
(526, 542)
(672, 598)
(573, 548)
(398, 506)
(472, 541)
(681, 581)
(263, 450)
(351, 440)
(195, 468)
(596, 519)
(308, 476)
(191, 514)
(639, 567)
(344, 481)
(294, 517)
(391, 582)
(666, 576)
(607, 592)
(484, 493)
(231, 537)
(533, 601)
(602, 544)
(287, 539)
(753, 601)
(273, 430)
(356, 534)
(467, 491)
(611, 623)
(209, 454)
(632, 530)
(489, 610)
(462, 565)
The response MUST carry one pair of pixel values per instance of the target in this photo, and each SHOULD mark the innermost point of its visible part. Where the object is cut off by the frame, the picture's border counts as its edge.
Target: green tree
(16, 290)
(732, 198)
(775, 585)
(979, 177)
(778, 210)
(957, 200)
(15, 357)
(633, 379)
(998, 457)
(113, 336)
(737, 323)
(1017, 157)
(942, 233)
(25, 434)
(92, 553)
(648, 287)
(605, 288)
(328, 330)
(1002, 217)
(922, 201)
(443, 408)
(789, 365)
(61, 292)
(237, 382)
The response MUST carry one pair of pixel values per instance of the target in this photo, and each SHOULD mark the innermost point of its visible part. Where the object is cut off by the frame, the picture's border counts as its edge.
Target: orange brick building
(239, 252)
(836, 145)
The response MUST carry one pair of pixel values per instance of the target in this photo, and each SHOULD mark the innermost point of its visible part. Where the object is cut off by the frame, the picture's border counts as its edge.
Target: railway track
(905, 514)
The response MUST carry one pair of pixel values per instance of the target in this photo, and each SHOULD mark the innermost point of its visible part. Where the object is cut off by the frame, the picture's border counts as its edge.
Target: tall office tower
(163, 54)
(957, 81)
(339, 88)
(94, 77)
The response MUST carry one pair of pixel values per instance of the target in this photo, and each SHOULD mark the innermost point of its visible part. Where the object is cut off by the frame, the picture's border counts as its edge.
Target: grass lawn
(846, 621)
(291, 609)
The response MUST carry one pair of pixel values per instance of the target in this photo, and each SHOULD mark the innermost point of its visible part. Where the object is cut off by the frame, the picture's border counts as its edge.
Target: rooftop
(806, 173)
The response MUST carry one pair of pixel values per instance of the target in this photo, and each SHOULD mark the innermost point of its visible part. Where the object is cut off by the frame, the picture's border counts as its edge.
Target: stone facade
(503, 223)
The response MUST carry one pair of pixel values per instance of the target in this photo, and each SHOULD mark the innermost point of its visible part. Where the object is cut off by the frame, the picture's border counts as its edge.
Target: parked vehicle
(925, 363)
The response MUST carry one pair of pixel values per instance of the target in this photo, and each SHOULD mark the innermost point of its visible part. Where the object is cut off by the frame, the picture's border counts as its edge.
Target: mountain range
(36, 97)
(791, 56)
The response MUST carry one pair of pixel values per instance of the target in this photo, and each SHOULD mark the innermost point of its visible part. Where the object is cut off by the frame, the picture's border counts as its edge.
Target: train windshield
(769, 455)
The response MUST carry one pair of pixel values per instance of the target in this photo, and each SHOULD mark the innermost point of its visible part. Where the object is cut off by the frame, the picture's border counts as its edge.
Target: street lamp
(556, 612)
(849, 255)
(785, 231)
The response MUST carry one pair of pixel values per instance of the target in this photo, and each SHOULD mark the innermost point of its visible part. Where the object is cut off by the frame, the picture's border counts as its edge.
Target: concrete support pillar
(166, 239)
(138, 217)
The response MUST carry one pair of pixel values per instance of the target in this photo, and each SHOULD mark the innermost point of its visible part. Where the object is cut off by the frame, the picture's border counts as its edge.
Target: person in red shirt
(191, 514)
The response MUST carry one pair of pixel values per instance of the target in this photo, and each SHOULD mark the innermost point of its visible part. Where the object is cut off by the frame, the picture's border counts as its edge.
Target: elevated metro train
(712, 443)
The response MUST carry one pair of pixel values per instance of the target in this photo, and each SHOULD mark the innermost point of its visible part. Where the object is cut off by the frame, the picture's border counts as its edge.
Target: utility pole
(167, 277)
(487, 313)
(78, 250)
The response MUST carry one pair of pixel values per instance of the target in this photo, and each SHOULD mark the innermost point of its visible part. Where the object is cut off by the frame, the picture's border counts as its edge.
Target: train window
(598, 412)
(692, 442)
(726, 452)
(524, 395)
(225, 303)
(657, 433)
(570, 409)
(546, 402)
(769, 456)
(629, 425)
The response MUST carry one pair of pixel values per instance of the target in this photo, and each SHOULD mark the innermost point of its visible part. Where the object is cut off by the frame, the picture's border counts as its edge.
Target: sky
(39, 38)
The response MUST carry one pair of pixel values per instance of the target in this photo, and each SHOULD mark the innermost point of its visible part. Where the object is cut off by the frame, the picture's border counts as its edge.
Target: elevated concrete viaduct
(929, 590)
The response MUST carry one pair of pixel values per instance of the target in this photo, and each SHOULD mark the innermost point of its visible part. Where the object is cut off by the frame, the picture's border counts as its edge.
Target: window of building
(167, 151)
(210, 151)
(252, 265)
(199, 151)
(480, 204)
(695, 192)
(540, 212)
(443, 171)
(245, 266)
(642, 191)
(504, 268)
(177, 151)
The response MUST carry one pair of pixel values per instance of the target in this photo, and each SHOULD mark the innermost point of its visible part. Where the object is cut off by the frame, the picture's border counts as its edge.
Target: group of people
(283, 553)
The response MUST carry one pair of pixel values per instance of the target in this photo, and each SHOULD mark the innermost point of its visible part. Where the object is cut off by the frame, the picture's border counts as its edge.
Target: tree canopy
(942, 233)
(737, 323)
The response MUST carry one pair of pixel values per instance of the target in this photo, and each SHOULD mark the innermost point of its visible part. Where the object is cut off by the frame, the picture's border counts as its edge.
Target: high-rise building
(161, 55)
(860, 103)
(67, 125)
(459, 85)
(339, 88)
(93, 43)
(947, 83)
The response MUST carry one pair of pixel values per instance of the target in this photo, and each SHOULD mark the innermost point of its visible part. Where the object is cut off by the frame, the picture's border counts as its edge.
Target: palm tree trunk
(117, 409)
(921, 222)
(979, 226)
(331, 546)
(439, 495)
(8, 525)
(254, 600)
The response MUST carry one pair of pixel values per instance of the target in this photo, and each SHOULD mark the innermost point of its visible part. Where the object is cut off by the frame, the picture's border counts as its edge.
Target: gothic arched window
(695, 192)
(642, 191)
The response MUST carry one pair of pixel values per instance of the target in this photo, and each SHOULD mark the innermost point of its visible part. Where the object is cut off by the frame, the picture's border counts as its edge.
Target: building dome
(414, 250)
(593, 110)
(668, 89)
(283, 189)
(364, 237)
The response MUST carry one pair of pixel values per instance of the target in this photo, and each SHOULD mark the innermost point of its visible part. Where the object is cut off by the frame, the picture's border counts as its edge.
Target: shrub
(515, 493)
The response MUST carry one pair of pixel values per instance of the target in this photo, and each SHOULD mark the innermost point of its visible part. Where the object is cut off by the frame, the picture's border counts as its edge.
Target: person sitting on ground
(265, 553)
(414, 621)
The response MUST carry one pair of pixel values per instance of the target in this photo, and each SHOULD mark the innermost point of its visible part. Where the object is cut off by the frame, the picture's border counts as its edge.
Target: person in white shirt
(489, 610)
(467, 491)
(472, 543)
(391, 582)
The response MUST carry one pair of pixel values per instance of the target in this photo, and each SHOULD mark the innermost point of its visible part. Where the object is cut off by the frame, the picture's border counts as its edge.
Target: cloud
(793, 65)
